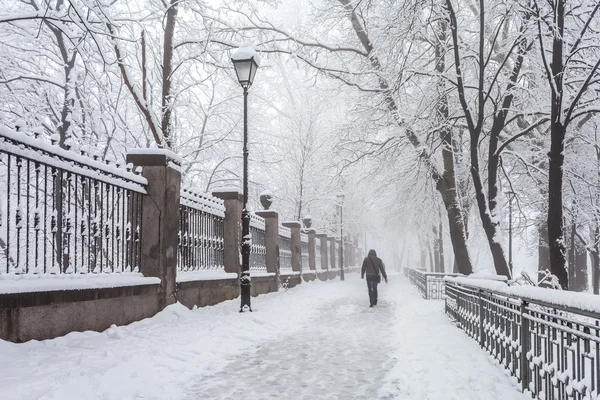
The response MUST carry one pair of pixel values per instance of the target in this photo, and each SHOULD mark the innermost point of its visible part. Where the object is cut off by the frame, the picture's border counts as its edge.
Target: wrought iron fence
(258, 249)
(285, 249)
(201, 230)
(65, 213)
(551, 349)
(431, 285)
(304, 252)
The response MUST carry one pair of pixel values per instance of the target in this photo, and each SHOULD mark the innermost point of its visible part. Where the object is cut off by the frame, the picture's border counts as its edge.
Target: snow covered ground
(316, 341)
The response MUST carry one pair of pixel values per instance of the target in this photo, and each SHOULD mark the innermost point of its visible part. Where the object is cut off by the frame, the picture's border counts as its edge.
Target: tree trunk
(423, 257)
(441, 247)
(432, 260)
(595, 253)
(556, 155)
(571, 244)
(167, 96)
(400, 265)
(436, 250)
(581, 268)
(446, 184)
(543, 248)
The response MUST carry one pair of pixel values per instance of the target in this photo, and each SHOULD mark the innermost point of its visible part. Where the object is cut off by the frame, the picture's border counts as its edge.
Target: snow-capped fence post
(525, 347)
(481, 320)
(271, 239)
(160, 218)
(332, 264)
(232, 236)
(322, 237)
(311, 249)
(296, 260)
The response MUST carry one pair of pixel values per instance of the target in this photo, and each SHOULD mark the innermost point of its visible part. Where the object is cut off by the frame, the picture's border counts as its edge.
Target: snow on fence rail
(430, 284)
(201, 231)
(285, 249)
(304, 252)
(551, 347)
(65, 213)
(258, 249)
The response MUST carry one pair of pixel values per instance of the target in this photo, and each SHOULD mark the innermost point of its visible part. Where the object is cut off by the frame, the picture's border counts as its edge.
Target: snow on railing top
(285, 232)
(38, 150)
(257, 222)
(303, 237)
(534, 294)
(203, 202)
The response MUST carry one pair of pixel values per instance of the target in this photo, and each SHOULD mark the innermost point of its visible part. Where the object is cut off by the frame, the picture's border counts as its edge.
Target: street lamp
(246, 62)
(340, 198)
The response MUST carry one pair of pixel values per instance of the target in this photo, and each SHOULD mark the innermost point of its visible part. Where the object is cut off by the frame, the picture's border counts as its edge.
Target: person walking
(372, 266)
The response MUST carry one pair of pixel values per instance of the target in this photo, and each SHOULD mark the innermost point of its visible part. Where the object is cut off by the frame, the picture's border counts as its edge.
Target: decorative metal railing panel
(64, 213)
(551, 349)
(430, 284)
(304, 252)
(285, 249)
(201, 231)
(258, 249)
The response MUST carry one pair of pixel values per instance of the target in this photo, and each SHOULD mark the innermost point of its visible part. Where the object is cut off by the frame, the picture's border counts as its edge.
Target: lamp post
(246, 62)
(340, 198)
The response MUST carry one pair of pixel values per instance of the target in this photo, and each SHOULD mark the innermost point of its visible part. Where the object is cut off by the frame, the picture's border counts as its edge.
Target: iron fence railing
(285, 249)
(551, 349)
(62, 212)
(258, 249)
(201, 230)
(431, 285)
(304, 252)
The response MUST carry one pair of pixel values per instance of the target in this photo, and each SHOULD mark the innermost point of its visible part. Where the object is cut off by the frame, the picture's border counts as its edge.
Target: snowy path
(316, 341)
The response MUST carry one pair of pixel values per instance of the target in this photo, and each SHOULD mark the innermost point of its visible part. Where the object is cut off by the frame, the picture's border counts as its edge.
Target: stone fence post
(160, 218)
(322, 238)
(296, 248)
(232, 237)
(271, 239)
(312, 259)
(332, 264)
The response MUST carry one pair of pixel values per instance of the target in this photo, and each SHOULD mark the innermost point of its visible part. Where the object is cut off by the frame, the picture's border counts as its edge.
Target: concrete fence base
(46, 315)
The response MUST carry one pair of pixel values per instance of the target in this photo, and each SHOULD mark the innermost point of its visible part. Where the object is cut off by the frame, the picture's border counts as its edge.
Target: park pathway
(404, 348)
(319, 340)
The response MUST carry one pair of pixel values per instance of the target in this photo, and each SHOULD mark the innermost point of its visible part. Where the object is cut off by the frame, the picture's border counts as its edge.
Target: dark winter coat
(372, 265)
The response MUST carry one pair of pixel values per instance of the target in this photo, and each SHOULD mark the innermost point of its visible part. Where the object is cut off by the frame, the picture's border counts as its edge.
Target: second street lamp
(246, 62)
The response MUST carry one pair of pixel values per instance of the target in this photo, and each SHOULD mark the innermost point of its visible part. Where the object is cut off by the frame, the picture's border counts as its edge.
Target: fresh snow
(582, 301)
(319, 340)
(245, 52)
(154, 151)
(28, 283)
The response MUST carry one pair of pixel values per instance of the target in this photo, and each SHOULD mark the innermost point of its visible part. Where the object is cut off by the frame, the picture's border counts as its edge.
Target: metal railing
(285, 249)
(258, 249)
(304, 252)
(201, 230)
(431, 285)
(65, 213)
(551, 349)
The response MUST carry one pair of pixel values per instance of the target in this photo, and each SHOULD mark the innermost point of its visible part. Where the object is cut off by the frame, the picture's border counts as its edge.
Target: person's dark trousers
(372, 285)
